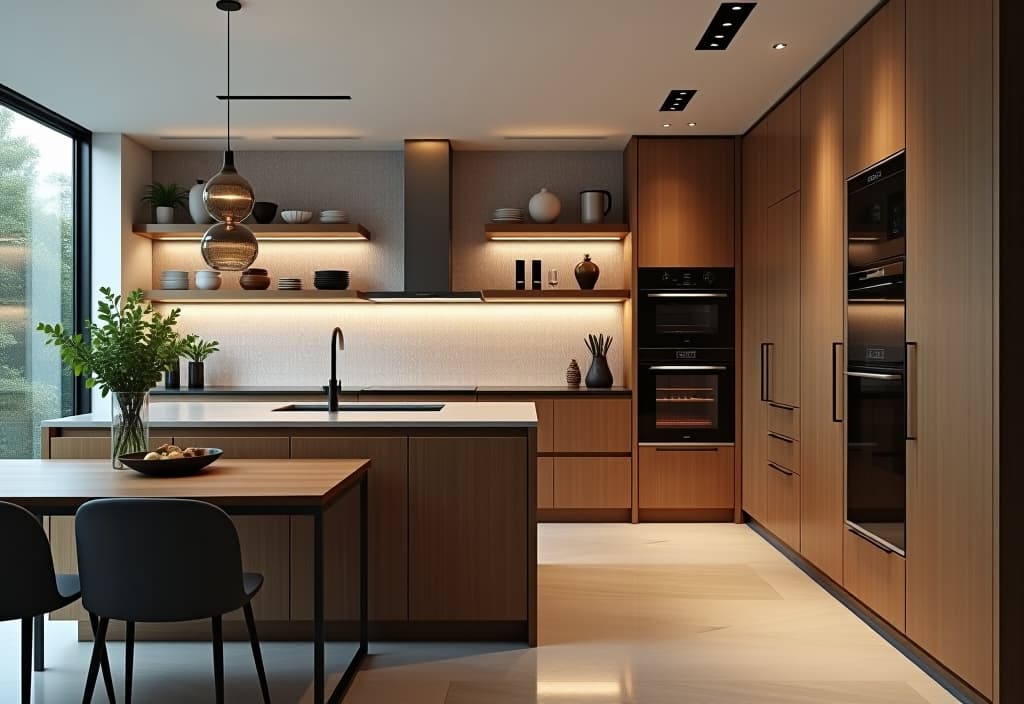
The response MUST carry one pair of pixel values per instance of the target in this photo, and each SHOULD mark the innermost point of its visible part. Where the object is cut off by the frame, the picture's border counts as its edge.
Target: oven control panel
(720, 279)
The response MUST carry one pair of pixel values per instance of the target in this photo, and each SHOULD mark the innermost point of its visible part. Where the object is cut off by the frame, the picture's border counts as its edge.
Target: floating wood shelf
(266, 296)
(278, 231)
(601, 295)
(569, 231)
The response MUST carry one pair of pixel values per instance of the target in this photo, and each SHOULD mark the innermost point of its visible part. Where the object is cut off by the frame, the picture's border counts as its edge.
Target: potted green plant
(197, 350)
(164, 197)
(124, 355)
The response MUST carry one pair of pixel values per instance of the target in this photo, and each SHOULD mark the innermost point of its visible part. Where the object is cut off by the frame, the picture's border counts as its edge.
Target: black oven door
(686, 401)
(672, 319)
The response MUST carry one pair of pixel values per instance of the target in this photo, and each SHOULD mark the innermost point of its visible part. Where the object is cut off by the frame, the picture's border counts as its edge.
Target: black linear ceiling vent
(724, 25)
(677, 100)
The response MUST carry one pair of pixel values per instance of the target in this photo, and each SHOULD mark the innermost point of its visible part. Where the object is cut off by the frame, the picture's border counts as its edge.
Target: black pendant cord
(229, 80)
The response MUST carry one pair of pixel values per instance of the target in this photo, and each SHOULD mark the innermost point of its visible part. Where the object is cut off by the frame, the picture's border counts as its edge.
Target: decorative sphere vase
(545, 207)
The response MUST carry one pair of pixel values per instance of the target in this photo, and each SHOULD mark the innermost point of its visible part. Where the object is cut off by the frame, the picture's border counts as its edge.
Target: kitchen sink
(365, 407)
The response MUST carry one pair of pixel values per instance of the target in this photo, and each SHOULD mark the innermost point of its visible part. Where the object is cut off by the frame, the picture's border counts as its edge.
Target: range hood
(428, 228)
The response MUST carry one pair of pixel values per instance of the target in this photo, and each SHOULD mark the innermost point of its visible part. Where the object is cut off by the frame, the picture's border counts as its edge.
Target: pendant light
(229, 245)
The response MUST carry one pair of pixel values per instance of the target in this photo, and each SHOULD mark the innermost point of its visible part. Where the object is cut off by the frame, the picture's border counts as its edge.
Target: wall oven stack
(686, 357)
(876, 368)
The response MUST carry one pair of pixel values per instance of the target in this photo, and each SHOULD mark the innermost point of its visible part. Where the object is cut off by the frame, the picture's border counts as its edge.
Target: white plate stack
(289, 284)
(171, 280)
(334, 217)
(507, 215)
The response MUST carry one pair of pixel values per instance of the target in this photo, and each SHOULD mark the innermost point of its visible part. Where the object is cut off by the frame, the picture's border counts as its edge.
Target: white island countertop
(262, 415)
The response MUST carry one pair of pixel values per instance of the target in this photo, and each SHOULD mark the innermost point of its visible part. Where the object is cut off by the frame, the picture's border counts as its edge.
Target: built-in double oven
(686, 358)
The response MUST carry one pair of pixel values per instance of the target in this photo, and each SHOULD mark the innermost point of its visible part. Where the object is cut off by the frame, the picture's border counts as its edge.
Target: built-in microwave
(681, 308)
(686, 396)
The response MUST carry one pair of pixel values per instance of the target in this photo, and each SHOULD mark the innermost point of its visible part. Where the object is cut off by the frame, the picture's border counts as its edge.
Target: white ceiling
(475, 71)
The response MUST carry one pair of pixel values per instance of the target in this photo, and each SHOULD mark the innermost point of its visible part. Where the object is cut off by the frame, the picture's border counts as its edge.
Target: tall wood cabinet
(783, 302)
(782, 127)
(950, 238)
(822, 256)
(686, 209)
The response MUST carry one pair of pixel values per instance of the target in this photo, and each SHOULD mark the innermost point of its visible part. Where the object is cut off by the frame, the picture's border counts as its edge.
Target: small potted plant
(164, 197)
(197, 350)
(124, 355)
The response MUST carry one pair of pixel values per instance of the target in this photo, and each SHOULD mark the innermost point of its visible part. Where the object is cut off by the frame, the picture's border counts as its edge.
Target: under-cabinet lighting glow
(552, 238)
(579, 689)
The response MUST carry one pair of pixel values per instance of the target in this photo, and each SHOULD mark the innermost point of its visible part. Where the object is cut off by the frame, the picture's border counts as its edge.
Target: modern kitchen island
(452, 515)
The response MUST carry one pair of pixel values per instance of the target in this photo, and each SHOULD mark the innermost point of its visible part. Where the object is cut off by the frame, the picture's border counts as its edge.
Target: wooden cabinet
(783, 301)
(874, 87)
(387, 536)
(686, 478)
(822, 283)
(686, 209)
(243, 448)
(593, 482)
(545, 482)
(782, 130)
(783, 451)
(468, 509)
(753, 297)
(782, 504)
(592, 425)
(876, 577)
(951, 234)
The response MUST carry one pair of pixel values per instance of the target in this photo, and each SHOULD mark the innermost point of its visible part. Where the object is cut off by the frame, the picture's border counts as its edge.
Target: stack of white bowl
(172, 280)
(208, 280)
(507, 215)
(289, 284)
(334, 217)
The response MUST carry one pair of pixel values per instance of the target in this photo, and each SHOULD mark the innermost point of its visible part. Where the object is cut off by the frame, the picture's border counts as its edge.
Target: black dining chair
(162, 560)
(30, 587)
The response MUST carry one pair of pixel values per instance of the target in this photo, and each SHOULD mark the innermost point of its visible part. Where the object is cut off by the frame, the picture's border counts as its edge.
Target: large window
(42, 236)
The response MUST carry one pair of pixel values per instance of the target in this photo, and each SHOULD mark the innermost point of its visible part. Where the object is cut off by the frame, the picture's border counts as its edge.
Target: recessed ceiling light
(677, 99)
(714, 44)
(779, 45)
(725, 25)
(666, 124)
(737, 7)
(719, 36)
(692, 124)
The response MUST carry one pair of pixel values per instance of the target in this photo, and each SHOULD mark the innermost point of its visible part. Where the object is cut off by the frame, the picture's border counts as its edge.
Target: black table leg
(318, 607)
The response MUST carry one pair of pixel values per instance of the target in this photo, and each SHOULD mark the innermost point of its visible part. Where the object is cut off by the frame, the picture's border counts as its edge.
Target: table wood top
(236, 483)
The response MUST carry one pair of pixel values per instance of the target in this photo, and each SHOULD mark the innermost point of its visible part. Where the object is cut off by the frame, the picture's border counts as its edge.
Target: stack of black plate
(330, 280)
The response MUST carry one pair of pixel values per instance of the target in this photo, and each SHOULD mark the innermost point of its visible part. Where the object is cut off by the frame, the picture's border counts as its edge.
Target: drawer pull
(877, 543)
(686, 449)
(783, 438)
(781, 407)
(777, 468)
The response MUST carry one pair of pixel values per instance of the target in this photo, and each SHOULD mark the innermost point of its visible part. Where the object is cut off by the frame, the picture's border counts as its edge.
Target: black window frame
(81, 214)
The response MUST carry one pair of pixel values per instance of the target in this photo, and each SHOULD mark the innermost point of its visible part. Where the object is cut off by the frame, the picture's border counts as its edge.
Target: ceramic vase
(196, 206)
(599, 376)
(573, 377)
(587, 273)
(129, 424)
(545, 206)
(164, 215)
(196, 374)
(172, 378)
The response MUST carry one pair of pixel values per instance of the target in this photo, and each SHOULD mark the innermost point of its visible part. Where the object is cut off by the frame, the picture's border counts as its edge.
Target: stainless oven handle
(686, 295)
(685, 368)
(872, 375)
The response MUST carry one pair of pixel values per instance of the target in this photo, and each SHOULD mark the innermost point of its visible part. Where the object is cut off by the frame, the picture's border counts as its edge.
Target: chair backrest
(28, 586)
(157, 559)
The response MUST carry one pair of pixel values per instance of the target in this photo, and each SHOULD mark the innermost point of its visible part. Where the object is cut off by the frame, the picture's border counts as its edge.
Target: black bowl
(181, 467)
(264, 211)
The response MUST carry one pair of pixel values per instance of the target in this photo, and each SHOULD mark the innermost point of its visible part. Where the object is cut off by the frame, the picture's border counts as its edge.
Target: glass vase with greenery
(125, 354)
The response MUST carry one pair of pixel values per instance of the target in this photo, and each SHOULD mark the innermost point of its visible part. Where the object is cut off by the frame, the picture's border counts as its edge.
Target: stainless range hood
(428, 228)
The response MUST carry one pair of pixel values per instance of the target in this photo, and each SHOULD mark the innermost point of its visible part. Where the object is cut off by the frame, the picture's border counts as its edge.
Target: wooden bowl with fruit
(171, 460)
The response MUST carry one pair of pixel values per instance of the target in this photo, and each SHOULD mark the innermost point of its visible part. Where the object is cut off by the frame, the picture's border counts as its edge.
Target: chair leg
(99, 647)
(108, 679)
(129, 659)
(26, 660)
(257, 656)
(218, 658)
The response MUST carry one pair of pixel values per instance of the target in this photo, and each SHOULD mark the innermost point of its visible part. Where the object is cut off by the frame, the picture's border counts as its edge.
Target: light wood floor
(647, 614)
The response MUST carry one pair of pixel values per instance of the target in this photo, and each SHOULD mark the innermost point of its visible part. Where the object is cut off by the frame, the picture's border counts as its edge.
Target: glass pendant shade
(228, 197)
(229, 246)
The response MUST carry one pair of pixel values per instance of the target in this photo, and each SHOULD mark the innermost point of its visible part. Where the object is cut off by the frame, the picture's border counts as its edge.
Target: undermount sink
(365, 407)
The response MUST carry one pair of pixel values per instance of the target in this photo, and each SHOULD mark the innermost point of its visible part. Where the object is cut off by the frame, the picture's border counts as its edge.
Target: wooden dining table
(292, 487)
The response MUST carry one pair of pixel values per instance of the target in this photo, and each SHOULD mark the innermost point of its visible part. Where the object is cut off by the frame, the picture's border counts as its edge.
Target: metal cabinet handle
(835, 381)
(878, 544)
(873, 375)
(783, 438)
(685, 367)
(777, 468)
(769, 378)
(687, 295)
(910, 355)
(764, 386)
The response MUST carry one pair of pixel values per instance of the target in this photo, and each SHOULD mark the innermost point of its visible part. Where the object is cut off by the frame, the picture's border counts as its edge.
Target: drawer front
(545, 482)
(593, 425)
(877, 577)
(783, 505)
(84, 448)
(682, 478)
(784, 451)
(592, 482)
(784, 420)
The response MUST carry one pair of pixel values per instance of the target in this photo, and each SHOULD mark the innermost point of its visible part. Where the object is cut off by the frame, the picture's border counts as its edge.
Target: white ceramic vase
(208, 280)
(545, 207)
(164, 215)
(196, 207)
